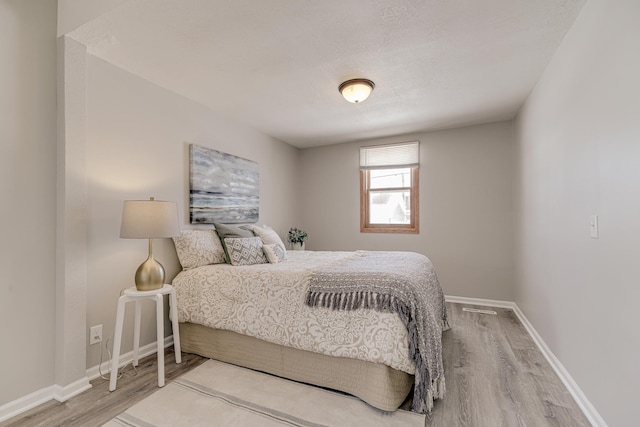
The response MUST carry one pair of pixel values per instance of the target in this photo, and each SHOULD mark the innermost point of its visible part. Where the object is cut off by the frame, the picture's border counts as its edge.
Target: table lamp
(149, 219)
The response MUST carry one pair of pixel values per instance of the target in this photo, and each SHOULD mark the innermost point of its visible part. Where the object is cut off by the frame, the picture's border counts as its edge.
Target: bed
(259, 316)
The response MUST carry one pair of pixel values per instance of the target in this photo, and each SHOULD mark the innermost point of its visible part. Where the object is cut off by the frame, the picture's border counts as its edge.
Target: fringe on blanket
(426, 389)
(436, 391)
(353, 300)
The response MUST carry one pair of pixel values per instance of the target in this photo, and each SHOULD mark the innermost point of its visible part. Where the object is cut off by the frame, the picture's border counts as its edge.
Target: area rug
(220, 394)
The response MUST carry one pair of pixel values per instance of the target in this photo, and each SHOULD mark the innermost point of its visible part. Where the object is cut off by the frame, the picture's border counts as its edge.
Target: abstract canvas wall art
(222, 187)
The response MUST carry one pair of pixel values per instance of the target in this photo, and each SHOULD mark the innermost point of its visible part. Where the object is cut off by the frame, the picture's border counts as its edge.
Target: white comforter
(266, 301)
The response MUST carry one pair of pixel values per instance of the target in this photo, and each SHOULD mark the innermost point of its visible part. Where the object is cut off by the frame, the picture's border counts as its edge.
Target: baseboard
(61, 394)
(126, 358)
(24, 403)
(576, 392)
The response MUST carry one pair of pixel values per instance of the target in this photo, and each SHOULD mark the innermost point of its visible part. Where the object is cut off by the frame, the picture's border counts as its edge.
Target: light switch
(594, 227)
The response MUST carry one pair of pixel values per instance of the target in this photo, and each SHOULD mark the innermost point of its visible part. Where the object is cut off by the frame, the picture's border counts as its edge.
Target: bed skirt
(378, 385)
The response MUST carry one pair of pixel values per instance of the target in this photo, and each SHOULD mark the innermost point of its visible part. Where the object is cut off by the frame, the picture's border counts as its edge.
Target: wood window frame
(412, 228)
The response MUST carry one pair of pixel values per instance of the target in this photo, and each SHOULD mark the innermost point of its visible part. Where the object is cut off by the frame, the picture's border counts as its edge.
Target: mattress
(267, 301)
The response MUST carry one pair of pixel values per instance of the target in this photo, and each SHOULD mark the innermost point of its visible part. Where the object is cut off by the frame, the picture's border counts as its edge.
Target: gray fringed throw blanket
(401, 282)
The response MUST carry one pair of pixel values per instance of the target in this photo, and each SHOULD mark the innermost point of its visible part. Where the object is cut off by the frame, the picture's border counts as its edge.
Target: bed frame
(378, 385)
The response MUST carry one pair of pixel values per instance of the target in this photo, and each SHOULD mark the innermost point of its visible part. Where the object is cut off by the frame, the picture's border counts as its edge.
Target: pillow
(196, 248)
(228, 230)
(245, 250)
(274, 253)
(269, 237)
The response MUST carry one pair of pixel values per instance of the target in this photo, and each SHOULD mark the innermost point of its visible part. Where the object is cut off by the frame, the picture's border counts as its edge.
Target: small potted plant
(296, 238)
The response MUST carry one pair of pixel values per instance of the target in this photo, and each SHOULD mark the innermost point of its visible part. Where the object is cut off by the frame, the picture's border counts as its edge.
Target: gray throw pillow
(230, 230)
(245, 250)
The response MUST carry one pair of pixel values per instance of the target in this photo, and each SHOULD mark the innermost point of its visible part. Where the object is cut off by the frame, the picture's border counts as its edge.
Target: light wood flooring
(495, 374)
(98, 405)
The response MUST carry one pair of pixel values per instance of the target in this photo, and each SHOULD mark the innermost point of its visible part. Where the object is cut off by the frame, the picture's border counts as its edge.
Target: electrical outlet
(95, 334)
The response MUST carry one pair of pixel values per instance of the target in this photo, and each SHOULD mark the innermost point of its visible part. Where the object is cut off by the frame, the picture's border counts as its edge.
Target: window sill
(386, 229)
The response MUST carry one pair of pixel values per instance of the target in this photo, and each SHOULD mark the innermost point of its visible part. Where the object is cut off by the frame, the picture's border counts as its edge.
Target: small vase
(297, 246)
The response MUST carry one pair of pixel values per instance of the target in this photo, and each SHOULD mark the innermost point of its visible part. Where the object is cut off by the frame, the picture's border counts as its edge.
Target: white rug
(219, 394)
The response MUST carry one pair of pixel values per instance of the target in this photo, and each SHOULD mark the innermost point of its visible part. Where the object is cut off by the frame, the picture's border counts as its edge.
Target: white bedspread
(266, 301)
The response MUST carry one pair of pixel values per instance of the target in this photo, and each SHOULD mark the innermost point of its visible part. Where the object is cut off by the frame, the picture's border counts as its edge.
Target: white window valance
(400, 155)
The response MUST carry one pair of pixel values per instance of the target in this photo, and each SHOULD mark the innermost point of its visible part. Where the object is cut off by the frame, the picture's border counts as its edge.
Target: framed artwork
(222, 187)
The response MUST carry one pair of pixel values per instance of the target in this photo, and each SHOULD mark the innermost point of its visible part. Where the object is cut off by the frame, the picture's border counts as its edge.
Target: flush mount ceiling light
(356, 90)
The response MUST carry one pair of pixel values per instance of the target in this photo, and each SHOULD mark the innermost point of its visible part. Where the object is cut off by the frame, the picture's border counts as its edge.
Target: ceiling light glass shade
(356, 90)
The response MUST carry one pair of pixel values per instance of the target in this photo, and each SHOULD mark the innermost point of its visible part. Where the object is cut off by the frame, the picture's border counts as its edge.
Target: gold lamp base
(150, 274)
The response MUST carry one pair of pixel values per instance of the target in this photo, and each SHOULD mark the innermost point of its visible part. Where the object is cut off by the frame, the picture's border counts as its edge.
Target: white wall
(28, 192)
(579, 154)
(465, 206)
(137, 146)
(74, 13)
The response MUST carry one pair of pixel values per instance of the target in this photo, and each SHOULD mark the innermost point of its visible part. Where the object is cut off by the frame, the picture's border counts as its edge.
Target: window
(389, 188)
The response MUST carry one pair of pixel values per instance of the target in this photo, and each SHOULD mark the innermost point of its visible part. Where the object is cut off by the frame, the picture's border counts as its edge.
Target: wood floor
(98, 405)
(495, 374)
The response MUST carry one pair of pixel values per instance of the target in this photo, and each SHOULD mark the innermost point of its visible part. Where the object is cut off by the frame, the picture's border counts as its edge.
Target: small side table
(132, 294)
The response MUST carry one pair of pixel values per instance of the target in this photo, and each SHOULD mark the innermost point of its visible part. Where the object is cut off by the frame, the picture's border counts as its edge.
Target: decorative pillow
(196, 248)
(269, 237)
(228, 230)
(245, 250)
(274, 253)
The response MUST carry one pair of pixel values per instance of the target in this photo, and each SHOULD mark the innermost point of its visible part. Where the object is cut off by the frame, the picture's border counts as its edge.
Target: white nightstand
(132, 294)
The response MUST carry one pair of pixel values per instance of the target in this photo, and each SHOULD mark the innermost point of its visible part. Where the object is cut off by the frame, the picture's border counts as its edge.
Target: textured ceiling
(276, 65)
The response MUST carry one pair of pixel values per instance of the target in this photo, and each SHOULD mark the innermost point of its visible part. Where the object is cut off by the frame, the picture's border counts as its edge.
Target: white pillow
(245, 250)
(196, 248)
(274, 253)
(269, 237)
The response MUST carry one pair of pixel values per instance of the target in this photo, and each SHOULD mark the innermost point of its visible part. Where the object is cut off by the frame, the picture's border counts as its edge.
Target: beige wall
(465, 206)
(137, 146)
(74, 13)
(28, 192)
(579, 154)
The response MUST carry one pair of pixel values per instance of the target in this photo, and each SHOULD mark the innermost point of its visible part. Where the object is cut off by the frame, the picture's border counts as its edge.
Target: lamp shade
(149, 219)
(356, 90)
